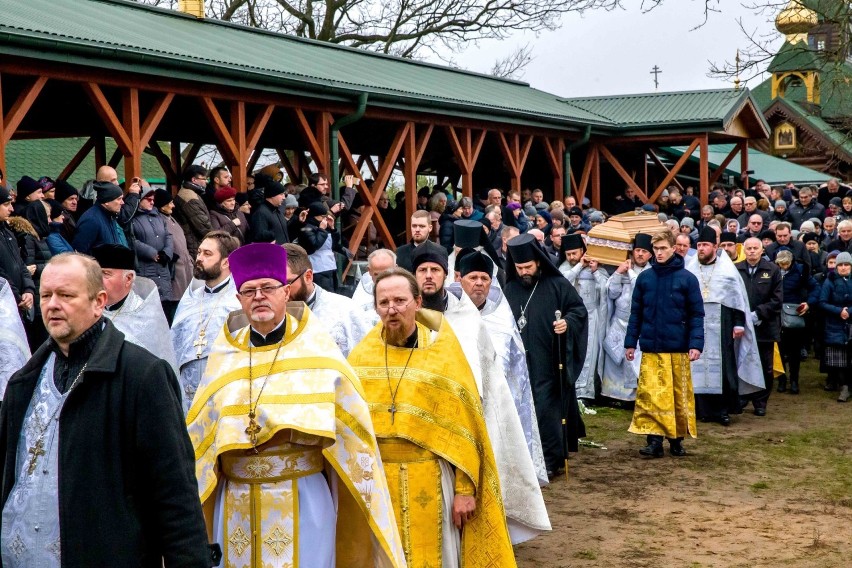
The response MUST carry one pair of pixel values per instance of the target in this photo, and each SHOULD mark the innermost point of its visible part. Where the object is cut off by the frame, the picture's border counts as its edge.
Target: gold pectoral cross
(253, 430)
(200, 344)
(35, 451)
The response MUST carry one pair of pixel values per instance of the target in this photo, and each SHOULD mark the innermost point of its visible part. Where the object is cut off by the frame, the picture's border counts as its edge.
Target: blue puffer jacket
(97, 227)
(836, 294)
(667, 311)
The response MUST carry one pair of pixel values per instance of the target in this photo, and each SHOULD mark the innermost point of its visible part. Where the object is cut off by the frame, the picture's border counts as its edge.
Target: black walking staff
(564, 413)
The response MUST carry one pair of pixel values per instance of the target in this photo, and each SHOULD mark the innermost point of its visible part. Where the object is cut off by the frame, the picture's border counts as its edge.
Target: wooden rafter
(587, 173)
(413, 151)
(12, 120)
(292, 173)
(515, 150)
(704, 167)
(165, 162)
(675, 170)
(466, 150)
(714, 177)
(108, 117)
(607, 155)
(659, 163)
(226, 143)
(78, 158)
(316, 140)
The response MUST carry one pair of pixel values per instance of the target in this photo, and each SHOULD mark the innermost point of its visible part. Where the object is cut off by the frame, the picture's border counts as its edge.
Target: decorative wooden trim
(78, 158)
(622, 172)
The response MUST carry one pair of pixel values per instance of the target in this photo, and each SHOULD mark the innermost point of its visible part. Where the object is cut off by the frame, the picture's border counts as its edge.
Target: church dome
(796, 20)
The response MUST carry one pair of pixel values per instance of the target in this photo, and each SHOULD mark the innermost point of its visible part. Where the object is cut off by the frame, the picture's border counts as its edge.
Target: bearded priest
(286, 459)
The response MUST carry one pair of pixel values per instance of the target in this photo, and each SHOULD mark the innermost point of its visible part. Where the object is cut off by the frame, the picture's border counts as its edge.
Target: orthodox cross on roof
(656, 73)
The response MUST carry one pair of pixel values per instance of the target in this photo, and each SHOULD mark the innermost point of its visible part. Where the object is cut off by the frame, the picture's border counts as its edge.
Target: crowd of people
(186, 365)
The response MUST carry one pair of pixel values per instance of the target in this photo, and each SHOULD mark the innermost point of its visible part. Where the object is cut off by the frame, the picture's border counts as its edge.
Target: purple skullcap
(258, 260)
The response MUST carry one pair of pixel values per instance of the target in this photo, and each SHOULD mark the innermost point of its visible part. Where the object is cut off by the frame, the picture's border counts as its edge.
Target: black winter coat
(128, 494)
(666, 310)
(33, 249)
(12, 266)
(835, 295)
(192, 216)
(268, 224)
(765, 295)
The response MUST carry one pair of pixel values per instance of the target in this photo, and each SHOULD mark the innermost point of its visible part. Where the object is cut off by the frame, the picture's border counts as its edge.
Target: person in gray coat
(154, 245)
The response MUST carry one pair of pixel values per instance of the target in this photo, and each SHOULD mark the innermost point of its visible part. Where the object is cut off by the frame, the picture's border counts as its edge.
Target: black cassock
(543, 347)
(712, 406)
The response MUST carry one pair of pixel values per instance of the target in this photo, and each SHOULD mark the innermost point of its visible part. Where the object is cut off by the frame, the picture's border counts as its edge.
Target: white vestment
(340, 317)
(619, 376)
(365, 300)
(591, 286)
(198, 320)
(142, 321)
(14, 350)
(526, 513)
(506, 338)
(721, 285)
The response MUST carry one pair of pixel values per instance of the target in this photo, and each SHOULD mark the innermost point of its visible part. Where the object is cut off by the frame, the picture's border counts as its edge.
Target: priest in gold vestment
(431, 431)
(288, 467)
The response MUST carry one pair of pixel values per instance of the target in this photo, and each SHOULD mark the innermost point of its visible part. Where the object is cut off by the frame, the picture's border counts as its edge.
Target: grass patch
(759, 486)
(586, 555)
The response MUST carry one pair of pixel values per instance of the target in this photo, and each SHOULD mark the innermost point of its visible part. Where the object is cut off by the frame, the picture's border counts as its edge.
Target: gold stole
(438, 414)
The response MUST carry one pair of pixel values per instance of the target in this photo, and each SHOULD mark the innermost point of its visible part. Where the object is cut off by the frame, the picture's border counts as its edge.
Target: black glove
(163, 258)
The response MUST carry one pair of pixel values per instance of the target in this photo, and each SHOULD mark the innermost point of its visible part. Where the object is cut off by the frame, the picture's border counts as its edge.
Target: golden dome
(795, 21)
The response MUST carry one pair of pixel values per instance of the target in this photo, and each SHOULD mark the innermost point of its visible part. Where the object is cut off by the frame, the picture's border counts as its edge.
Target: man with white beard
(378, 261)
(338, 314)
(202, 310)
(526, 514)
(590, 282)
(619, 376)
(476, 282)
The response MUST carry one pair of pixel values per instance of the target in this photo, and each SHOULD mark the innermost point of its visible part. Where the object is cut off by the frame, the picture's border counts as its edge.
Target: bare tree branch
(512, 66)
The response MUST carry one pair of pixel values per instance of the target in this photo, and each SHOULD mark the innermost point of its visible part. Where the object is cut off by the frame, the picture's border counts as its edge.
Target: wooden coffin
(611, 242)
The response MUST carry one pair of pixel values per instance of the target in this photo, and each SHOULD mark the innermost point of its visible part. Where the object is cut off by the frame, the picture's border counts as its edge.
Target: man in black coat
(784, 238)
(268, 223)
(420, 226)
(12, 266)
(763, 284)
(97, 464)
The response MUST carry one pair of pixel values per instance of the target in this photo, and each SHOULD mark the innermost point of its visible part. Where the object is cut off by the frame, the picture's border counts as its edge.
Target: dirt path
(773, 491)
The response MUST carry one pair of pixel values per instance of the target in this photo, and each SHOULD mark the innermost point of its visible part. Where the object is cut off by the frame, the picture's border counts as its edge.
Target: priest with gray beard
(203, 309)
(526, 514)
(730, 363)
(620, 377)
(589, 279)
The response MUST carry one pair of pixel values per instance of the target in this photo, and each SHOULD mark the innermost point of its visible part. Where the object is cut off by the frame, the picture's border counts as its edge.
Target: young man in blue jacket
(667, 321)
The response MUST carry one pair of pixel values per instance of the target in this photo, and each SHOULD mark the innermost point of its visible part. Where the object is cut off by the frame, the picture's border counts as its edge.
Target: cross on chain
(392, 410)
(35, 451)
(199, 345)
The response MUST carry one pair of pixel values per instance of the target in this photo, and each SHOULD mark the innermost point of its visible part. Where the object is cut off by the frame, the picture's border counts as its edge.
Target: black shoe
(794, 387)
(551, 475)
(760, 412)
(725, 420)
(654, 448)
(676, 447)
(782, 384)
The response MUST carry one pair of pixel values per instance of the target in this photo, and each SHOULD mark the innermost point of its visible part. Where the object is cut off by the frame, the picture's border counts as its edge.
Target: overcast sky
(605, 53)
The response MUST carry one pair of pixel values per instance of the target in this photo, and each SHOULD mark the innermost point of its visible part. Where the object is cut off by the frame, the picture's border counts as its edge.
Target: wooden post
(413, 150)
(744, 159)
(596, 180)
(132, 128)
(515, 152)
(704, 167)
(554, 150)
(466, 149)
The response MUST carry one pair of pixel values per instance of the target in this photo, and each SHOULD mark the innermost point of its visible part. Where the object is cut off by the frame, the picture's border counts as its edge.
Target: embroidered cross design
(277, 540)
(239, 540)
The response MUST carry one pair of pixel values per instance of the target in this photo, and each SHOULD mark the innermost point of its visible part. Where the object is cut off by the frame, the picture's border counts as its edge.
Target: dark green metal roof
(769, 168)
(714, 108)
(795, 57)
(48, 157)
(115, 34)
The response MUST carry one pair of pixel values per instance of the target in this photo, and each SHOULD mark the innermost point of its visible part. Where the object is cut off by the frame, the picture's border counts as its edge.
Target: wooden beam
(466, 150)
(100, 153)
(515, 153)
(223, 136)
(553, 151)
(294, 176)
(580, 193)
(115, 159)
(258, 126)
(174, 151)
(108, 117)
(190, 155)
(78, 158)
(252, 163)
(238, 135)
(12, 120)
(675, 170)
(622, 172)
(721, 169)
(155, 116)
(172, 177)
(704, 167)
(743, 158)
(130, 120)
(596, 180)
(663, 167)
(318, 152)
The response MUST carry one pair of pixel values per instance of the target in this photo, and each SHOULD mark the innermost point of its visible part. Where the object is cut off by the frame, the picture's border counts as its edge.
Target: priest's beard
(212, 273)
(436, 301)
(529, 280)
(396, 336)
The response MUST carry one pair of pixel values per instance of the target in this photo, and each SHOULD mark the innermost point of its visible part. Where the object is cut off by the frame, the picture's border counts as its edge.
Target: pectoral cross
(199, 345)
(35, 451)
(392, 410)
(253, 430)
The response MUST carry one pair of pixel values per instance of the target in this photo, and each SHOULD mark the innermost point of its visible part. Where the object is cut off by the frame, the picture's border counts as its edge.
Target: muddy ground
(771, 491)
